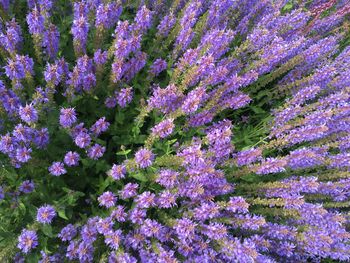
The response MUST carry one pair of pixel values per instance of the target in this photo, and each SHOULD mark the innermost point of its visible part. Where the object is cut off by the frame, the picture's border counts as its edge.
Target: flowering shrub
(174, 131)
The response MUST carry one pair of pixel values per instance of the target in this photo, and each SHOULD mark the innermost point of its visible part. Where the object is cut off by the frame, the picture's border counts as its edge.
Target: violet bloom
(85, 251)
(71, 158)
(27, 240)
(13, 37)
(185, 228)
(53, 73)
(95, 152)
(143, 19)
(100, 58)
(166, 199)
(67, 233)
(145, 200)
(101, 125)
(158, 66)
(51, 41)
(144, 158)
(137, 215)
(119, 214)
(28, 114)
(41, 138)
(67, 117)
(164, 128)
(35, 22)
(82, 140)
(46, 214)
(237, 204)
(124, 97)
(117, 172)
(57, 169)
(128, 191)
(105, 226)
(26, 187)
(80, 31)
(2, 193)
(107, 199)
(113, 239)
(271, 165)
(23, 154)
(167, 178)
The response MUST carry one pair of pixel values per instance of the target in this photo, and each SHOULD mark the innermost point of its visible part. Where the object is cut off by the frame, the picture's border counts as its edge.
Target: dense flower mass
(174, 131)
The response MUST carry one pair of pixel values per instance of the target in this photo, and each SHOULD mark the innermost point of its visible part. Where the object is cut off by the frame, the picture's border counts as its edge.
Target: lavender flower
(67, 117)
(27, 240)
(144, 158)
(28, 114)
(164, 128)
(67, 233)
(83, 140)
(71, 158)
(117, 172)
(27, 187)
(96, 151)
(57, 169)
(107, 199)
(45, 214)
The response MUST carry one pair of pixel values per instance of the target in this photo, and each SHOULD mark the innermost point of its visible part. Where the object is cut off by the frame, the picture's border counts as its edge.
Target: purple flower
(117, 172)
(57, 169)
(95, 152)
(51, 41)
(28, 114)
(41, 138)
(105, 226)
(167, 178)
(45, 214)
(67, 233)
(166, 199)
(158, 66)
(121, 257)
(164, 128)
(113, 239)
(27, 240)
(271, 165)
(35, 22)
(124, 97)
(150, 228)
(71, 158)
(137, 215)
(237, 204)
(85, 251)
(143, 19)
(144, 158)
(67, 117)
(82, 140)
(23, 154)
(107, 199)
(145, 200)
(128, 191)
(119, 214)
(80, 31)
(53, 73)
(2, 193)
(100, 58)
(185, 228)
(101, 125)
(26, 187)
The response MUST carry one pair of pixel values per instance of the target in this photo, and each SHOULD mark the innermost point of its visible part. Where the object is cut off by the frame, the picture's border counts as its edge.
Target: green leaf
(47, 230)
(125, 152)
(140, 177)
(62, 214)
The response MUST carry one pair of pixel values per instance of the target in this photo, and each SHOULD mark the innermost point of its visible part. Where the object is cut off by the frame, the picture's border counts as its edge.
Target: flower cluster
(174, 131)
